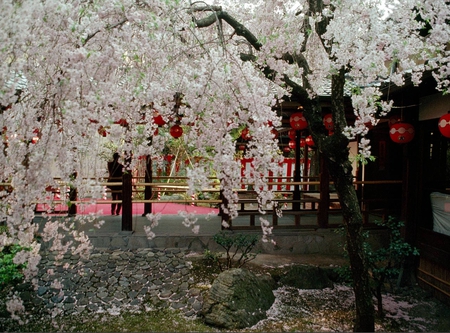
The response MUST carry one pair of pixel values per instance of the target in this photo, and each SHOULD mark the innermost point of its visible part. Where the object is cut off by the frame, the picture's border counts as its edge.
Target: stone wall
(321, 241)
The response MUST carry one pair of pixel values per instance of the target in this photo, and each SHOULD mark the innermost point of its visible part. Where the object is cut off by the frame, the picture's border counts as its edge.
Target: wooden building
(424, 166)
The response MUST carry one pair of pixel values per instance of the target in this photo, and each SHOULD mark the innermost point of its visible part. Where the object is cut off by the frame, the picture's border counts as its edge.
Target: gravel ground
(113, 282)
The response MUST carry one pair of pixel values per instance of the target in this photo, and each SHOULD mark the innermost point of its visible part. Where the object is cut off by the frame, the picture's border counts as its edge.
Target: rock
(238, 299)
(306, 277)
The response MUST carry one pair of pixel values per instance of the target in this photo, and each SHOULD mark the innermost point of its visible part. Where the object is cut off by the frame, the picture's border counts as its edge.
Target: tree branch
(109, 27)
(239, 28)
(205, 8)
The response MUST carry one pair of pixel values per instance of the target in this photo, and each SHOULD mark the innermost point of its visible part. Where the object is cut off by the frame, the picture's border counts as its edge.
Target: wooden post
(305, 169)
(148, 192)
(297, 176)
(324, 205)
(127, 203)
(73, 195)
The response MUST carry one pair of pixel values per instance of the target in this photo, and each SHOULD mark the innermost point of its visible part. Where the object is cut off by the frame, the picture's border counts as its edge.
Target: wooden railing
(308, 208)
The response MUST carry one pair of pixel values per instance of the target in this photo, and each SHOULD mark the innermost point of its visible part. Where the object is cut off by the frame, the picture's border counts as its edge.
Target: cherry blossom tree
(305, 45)
(73, 71)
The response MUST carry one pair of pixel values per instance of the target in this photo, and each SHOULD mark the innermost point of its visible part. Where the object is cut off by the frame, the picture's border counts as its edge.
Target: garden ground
(408, 309)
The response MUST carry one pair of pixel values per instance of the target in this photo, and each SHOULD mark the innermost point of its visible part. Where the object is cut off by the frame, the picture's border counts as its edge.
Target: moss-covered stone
(238, 298)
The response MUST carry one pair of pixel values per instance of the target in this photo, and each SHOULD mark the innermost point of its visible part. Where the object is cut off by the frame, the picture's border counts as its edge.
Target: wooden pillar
(324, 205)
(127, 200)
(305, 169)
(297, 175)
(148, 191)
(73, 195)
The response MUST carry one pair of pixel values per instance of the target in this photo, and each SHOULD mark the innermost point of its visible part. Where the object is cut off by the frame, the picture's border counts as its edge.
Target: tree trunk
(353, 221)
(335, 148)
(365, 318)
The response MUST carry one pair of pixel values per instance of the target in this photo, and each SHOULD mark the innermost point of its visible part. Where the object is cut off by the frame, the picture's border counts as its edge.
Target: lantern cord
(404, 107)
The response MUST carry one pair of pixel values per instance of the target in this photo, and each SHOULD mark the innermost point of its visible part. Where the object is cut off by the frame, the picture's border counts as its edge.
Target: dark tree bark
(341, 172)
(335, 150)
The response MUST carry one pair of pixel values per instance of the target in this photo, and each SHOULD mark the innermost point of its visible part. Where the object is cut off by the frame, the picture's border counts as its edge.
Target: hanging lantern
(298, 121)
(274, 133)
(328, 122)
(158, 119)
(292, 134)
(302, 142)
(241, 147)
(309, 141)
(286, 149)
(444, 125)
(122, 122)
(245, 134)
(394, 120)
(401, 132)
(369, 125)
(35, 138)
(103, 130)
(292, 144)
(176, 131)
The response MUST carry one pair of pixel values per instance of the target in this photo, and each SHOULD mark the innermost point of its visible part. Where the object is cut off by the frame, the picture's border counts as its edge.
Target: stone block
(238, 298)
(119, 242)
(137, 242)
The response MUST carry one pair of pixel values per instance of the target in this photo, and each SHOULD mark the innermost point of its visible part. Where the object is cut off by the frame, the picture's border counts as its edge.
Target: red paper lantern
(302, 142)
(158, 119)
(245, 134)
(292, 144)
(241, 147)
(309, 141)
(274, 133)
(122, 122)
(176, 131)
(286, 149)
(444, 125)
(103, 131)
(369, 125)
(328, 122)
(401, 132)
(298, 121)
(292, 134)
(394, 120)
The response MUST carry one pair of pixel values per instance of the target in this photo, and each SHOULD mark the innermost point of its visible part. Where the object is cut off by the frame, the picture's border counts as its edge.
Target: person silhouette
(115, 170)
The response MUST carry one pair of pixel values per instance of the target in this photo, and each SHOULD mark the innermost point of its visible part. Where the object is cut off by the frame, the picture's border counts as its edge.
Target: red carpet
(138, 209)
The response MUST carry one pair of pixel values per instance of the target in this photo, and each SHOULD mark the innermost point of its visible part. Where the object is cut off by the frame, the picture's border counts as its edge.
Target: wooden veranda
(309, 202)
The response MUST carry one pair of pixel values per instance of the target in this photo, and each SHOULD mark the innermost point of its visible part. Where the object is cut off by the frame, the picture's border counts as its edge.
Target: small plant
(237, 247)
(385, 263)
(10, 272)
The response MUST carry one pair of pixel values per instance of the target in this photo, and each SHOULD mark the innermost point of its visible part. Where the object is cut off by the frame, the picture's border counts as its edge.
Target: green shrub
(237, 248)
(11, 273)
(386, 263)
